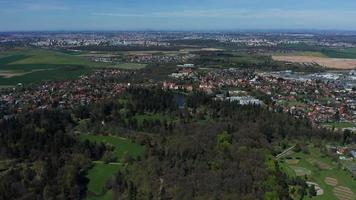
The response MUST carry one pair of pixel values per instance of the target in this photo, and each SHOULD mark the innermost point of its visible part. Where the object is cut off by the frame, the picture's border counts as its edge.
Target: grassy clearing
(102, 172)
(122, 146)
(99, 174)
(323, 172)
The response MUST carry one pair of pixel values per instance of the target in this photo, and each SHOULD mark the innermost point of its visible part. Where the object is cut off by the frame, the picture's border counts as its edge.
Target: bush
(109, 157)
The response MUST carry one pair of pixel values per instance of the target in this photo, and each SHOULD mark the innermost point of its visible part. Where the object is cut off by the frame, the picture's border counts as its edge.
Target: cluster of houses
(161, 59)
(64, 94)
(321, 102)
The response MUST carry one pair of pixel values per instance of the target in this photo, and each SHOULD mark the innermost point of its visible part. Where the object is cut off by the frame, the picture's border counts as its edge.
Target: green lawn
(101, 172)
(318, 175)
(121, 145)
(107, 196)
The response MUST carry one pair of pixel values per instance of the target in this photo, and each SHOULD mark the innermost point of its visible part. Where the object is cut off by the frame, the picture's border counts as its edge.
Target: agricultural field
(101, 172)
(331, 63)
(329, 58)
(334, 182)
(28, 66)
(340, 53)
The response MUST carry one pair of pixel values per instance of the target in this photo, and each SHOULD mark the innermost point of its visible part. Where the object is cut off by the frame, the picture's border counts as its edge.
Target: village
(324, 103)
(63, 94)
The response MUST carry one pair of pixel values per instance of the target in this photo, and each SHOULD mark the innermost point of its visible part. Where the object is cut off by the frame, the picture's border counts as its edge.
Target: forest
(205, 150)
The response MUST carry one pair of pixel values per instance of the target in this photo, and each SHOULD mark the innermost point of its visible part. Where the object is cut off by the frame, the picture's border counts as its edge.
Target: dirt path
(284, 152)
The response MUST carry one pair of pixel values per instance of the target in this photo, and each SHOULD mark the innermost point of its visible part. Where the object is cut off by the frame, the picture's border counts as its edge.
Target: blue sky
(176, 14)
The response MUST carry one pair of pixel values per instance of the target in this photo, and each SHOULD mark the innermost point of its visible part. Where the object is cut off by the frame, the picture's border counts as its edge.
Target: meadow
(336, 183)
(101, 172)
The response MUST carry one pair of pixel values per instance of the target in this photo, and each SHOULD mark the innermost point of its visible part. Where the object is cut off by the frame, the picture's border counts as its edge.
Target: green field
(303, 53)
(28, 66)
(122, 146)
(130, 66)
(340, 125)
(101, 172)
(347, 53)
(317, 168)
(340, 53)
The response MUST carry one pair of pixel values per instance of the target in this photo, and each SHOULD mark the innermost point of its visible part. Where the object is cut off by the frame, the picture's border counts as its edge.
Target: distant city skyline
(52, 15)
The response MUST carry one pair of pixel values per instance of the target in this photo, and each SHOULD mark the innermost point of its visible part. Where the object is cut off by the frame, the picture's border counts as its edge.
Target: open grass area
(101, 172)
(323, 171)
(121, 146)
(130, 66)
(107, 196)
(28, 66)
(339, 125)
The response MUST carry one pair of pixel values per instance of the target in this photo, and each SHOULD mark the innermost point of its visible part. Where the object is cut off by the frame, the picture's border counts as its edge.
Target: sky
(42, 15)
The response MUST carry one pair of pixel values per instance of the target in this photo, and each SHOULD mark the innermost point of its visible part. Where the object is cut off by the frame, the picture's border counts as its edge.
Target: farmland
(320, 169)
(329, 58)
(341, 53)
(101, 172)
(28, 66)
(332, 63)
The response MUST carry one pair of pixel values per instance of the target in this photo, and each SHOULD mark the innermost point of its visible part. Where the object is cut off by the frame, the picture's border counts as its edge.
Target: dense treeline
(205, 149)
(41, 160)
(212, 150)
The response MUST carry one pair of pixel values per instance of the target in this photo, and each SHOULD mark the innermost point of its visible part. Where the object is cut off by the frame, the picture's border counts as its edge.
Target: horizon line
(185, 30)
